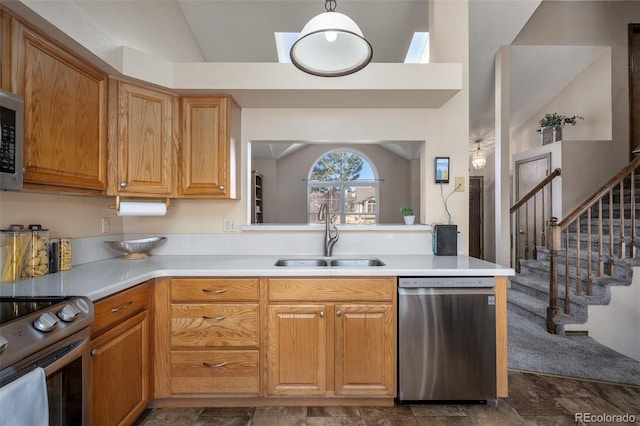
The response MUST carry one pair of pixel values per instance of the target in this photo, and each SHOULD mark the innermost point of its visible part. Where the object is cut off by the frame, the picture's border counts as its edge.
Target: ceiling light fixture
(331, 45)
(478, 159)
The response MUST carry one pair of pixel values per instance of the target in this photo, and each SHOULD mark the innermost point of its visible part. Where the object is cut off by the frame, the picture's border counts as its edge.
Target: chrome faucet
(329, 240)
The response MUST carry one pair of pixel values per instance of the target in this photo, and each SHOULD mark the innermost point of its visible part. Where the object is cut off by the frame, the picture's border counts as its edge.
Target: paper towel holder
(116, 206)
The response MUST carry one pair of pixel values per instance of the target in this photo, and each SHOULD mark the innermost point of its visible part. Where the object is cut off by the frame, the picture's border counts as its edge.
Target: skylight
(418, 52)
(284, 41)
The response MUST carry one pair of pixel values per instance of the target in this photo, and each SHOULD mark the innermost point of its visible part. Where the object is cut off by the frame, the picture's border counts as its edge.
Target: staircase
(529, 292)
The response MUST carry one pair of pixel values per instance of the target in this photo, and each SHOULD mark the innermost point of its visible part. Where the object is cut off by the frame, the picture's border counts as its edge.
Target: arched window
(347, 181)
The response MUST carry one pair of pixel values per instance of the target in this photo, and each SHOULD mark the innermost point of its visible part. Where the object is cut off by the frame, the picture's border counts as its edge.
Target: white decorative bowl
(136, 249)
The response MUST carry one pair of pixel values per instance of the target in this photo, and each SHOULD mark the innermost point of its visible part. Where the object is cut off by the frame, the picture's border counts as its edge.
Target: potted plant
(409, 217)
(551, 126)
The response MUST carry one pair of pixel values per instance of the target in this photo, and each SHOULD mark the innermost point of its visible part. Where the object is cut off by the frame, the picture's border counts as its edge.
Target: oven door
(66, 366)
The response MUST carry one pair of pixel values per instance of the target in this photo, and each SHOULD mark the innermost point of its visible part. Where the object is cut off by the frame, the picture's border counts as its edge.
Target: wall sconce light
(478, 158)
(331, 45)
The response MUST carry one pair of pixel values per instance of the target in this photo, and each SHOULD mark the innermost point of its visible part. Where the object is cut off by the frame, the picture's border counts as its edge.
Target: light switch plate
(459, 184)
(106, 225)
(229, 224)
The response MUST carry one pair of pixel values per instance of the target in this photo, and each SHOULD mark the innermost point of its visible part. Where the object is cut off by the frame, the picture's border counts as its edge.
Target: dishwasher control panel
(446, 282)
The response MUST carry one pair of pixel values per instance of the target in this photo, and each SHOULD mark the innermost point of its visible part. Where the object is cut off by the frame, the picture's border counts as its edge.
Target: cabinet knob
(94, 352)
(338, 313)
(123, 184)
(221, 187)
(321, 314)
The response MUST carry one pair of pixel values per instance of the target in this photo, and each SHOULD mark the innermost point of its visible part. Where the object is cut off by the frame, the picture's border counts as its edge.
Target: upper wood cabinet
(209, 147)
(165, 146)
(65, 102)
(141, 140)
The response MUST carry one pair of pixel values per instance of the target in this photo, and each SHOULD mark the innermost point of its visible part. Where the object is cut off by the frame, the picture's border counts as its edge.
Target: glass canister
(54, 255)
(15, 243)
(37, 261)
(64, 254)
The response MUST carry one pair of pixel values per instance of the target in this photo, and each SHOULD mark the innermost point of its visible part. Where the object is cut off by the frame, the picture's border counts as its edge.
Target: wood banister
(535, 190)
(601, 192)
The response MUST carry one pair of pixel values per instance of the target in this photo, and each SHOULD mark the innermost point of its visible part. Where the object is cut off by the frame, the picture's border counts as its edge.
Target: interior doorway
(634, 88)
(476, 216)
(528, 234)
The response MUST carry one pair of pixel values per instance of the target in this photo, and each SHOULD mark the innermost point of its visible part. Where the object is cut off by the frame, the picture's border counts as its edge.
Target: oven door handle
(81, 347)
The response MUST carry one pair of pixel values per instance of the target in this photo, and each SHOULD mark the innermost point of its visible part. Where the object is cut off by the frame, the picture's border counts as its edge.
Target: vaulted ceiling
(243, 31)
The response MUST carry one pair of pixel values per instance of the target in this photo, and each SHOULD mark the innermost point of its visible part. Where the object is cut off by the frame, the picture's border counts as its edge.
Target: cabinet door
(120, 388)
(65, 115)
(145, 145)
(365, 350)
(296, 350)
(205, 162)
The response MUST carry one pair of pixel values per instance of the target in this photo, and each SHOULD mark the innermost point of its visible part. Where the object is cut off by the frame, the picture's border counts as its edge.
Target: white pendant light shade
(331, 45)
(478, 159)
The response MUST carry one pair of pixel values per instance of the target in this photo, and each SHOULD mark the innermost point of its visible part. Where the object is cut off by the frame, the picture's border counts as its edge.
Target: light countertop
(105, 277)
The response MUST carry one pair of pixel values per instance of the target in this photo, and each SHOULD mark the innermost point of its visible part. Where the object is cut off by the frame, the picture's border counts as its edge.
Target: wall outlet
(106, 225)
(459, 184)
(230, 224)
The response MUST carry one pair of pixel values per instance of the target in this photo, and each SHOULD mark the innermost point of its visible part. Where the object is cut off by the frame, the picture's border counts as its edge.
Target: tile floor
(534, 399)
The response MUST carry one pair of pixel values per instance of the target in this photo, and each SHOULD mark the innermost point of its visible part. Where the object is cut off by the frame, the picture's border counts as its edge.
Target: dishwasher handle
(435, 291)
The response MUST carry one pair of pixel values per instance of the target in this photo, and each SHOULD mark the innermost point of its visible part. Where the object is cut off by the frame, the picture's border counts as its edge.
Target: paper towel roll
(134, 208)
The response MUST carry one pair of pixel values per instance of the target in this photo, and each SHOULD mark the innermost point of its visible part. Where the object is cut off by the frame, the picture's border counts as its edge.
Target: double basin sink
(326, 262)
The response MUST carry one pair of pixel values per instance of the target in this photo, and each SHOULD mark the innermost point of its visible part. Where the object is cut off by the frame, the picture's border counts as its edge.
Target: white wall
(592, 23)
(589, 96)
(616, 325)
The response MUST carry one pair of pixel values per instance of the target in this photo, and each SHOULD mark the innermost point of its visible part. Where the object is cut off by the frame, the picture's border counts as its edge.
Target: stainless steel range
(51, 333)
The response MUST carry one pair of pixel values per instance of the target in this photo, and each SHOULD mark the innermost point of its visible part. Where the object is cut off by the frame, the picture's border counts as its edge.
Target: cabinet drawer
(117, 308)
(214, 289)
(332, 289)
(214, 325)
(214, 372)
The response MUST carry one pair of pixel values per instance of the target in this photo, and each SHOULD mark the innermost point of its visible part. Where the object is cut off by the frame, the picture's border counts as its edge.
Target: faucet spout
(329, 238)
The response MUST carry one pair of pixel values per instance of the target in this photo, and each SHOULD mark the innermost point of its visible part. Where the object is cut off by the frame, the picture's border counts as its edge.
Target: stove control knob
(45, 322)
(69, 313)
(3, 344)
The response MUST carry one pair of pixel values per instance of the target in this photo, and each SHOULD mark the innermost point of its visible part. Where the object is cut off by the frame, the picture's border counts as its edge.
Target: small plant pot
(408, 220)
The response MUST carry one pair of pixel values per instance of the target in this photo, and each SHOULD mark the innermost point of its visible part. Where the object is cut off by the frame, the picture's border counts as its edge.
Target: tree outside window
(346, 181)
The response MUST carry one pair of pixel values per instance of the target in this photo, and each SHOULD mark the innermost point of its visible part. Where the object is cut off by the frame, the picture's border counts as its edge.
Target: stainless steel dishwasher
(446, 339)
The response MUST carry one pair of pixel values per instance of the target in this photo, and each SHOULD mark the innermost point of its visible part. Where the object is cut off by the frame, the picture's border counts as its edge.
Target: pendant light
(478, 159)
(331, 45)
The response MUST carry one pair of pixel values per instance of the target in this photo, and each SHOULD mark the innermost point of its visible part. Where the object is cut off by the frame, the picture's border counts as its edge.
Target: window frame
(342, 186)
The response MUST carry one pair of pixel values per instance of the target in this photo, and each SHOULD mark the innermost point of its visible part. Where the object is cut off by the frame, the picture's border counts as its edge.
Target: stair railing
(531, 239)
(589, 210)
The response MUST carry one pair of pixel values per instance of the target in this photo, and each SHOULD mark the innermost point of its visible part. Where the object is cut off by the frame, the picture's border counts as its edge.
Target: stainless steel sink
(302, 262)
(356, 262)
(327, 262)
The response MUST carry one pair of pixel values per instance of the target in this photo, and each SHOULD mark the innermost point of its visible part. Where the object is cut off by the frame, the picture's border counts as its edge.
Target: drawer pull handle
(94, 353)
(121, 307)
(222, 364)
(321, 314)
(339, 313)
(224, 290)
(214, 318)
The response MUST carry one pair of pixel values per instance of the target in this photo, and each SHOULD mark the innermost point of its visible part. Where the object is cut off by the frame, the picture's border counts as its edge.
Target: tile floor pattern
(534, 399)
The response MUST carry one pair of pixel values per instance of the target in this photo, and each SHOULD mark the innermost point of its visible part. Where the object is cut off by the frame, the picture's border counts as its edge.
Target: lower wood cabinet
(331, 348)
(243, 340)
(120, 357)
(207, 332)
